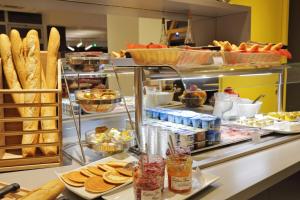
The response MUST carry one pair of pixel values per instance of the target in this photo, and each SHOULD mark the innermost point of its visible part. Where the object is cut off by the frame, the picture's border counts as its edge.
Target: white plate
(80, 191)
(200, 181)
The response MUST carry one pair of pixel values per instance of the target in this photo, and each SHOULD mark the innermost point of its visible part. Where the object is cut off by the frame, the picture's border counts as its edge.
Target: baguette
(18, 56)
(33, 81)
(9, 71)
(11, 79)
(50, 83)
(49, 191)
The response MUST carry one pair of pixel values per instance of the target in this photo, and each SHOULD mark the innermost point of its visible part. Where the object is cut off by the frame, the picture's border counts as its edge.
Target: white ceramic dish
(200, 181)
(80, 191)
(284, 127)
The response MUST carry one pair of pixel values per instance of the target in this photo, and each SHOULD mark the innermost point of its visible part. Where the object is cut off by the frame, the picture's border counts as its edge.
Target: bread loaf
(33, 81)
(18, 56)
(49, 191)
(50, 83)
(9, 70)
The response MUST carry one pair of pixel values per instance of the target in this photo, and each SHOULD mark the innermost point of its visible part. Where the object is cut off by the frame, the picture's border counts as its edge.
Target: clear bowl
(98, 100)
(108, 146)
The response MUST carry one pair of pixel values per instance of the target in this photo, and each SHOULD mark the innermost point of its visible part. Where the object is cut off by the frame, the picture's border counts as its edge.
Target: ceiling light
(88, 47)
(71, 48)
(79, 44)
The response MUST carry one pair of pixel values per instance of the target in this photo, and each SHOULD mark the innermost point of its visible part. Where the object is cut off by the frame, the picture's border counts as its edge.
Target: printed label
(181, 183)
(151, 195)
(218, 60)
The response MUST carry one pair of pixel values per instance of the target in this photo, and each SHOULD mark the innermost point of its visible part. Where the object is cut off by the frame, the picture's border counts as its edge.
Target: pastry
(114, 178)
(277, 47)
(95, 170)
(76, 176)
(117, 163)
(267, 47)
(124, 171)
(71, 183)
(101, 129)
(50, 82)
(107, 168)
(254, 48)
(86, 172)
(227, 46)
(243, 46)
(96, 184)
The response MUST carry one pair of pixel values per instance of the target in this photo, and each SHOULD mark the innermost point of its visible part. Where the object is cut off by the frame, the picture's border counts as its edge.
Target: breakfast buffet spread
(163, 169)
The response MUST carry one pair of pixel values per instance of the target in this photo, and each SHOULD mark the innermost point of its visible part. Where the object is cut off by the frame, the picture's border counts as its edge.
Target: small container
(217, 123)
(149, 113)
(163, 115)
(155, 114)
(200, 136)
(148, 177)
(179, 167)
(196, 122)
(171, 117)
(207, 123)
(178, 119)
(210, 137)
(217, 136)
(199, 145)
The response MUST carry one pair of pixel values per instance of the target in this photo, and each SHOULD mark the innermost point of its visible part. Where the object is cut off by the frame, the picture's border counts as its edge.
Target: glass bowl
(98, 100)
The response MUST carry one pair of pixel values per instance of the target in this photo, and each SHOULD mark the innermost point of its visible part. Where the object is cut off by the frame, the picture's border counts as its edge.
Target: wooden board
(16, 195)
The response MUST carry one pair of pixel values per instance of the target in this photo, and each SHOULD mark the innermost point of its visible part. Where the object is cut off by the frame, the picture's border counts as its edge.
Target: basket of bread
(30, 98)
(98, 100)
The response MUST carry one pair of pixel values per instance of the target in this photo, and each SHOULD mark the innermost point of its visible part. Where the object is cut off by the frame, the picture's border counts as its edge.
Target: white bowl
(248, 109)
(158, 99)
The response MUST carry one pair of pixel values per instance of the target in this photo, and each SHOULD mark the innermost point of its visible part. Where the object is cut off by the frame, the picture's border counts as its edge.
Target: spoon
(258, 98)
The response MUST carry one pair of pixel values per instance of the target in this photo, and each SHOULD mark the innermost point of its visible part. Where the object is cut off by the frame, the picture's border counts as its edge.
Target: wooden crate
(11, 128)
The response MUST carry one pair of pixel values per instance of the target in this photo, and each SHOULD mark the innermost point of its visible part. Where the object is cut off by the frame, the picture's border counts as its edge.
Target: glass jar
(179, 168)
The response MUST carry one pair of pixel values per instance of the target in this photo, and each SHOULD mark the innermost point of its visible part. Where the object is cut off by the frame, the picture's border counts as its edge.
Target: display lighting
(71, 48)
(79, 44)
(88, 47)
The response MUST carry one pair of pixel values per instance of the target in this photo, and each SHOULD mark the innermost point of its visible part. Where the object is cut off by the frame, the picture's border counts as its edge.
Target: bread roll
(49, 191)
(51, 82)
(33, 81)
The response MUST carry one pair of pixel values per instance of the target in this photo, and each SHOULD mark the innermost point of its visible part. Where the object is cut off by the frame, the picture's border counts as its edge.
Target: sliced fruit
(76, 176)
(113, 178)
(96, 184)
(95, 170)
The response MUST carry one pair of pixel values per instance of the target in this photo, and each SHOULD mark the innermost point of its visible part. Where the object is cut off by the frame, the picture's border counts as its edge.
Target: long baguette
(33, 81)
(49, 191)
(18, 56)
(51, 82)
(9, 71)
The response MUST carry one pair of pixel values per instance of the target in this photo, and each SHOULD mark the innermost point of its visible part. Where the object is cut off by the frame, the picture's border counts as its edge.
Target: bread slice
(50, 82)
(31, 46)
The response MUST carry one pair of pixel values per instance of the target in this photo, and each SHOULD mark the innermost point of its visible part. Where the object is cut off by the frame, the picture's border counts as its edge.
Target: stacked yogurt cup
(209, 123)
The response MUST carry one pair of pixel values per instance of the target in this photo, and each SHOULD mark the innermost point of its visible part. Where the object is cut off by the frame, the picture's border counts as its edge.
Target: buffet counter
(240, 178)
